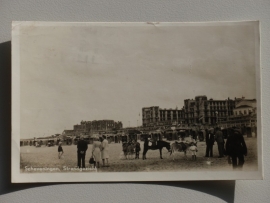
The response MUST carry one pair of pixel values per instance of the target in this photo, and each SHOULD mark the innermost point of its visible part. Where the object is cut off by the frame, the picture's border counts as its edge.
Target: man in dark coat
(209, 139)
(82, 146)
(137, 150)
(236, 148)
(220, 142)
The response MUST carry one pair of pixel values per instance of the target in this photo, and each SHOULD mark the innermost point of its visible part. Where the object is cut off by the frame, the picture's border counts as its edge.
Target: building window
(245, 112)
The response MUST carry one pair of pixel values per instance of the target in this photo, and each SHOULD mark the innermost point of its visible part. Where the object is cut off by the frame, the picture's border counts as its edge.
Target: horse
(125, 146)
(128, 149)
(160, 144)
(181, 147)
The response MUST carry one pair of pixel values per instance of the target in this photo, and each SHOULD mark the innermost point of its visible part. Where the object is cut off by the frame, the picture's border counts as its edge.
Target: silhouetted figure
(81, 151)
(137, 150)
(60, 150)
(220, 142)
(236, 148)
(209, 139)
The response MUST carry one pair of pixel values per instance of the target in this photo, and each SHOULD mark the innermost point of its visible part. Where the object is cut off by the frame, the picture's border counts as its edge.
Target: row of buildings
(93, 127)
(198, 111)
(203, 111)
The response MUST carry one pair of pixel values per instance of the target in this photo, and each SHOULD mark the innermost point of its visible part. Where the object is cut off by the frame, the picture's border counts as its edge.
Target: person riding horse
(158, 146)
(153, 141)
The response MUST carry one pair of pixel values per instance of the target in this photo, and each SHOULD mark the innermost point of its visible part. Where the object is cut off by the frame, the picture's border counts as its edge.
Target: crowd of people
(235, 147)
(99, 152)
(131, 147)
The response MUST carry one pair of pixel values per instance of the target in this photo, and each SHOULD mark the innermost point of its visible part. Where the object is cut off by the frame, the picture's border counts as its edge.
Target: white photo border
(18, 177)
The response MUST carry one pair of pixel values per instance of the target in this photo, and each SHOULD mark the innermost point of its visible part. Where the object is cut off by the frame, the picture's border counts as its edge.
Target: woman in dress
(96, 151)
(105, 151)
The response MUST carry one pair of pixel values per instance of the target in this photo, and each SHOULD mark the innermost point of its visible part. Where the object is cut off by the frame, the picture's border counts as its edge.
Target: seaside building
(96, 126)
(208, 112)
(68, 133)
(158, 117)
(199, 111)
(244, 114)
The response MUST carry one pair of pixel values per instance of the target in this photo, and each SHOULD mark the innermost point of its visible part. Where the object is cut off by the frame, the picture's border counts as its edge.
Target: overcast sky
(92, 72)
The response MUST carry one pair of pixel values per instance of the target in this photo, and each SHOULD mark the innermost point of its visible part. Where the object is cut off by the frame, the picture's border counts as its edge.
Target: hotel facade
(200, 110)
(93, 127)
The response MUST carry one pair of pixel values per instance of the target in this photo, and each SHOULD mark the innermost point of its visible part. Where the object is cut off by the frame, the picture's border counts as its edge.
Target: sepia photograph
(150, 101)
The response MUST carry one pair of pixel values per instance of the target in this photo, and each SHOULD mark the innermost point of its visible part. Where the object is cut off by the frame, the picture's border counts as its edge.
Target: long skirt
(104, 154)
(96, 154)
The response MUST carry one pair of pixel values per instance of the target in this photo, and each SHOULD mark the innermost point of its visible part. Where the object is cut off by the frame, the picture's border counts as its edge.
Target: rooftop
(243, 106)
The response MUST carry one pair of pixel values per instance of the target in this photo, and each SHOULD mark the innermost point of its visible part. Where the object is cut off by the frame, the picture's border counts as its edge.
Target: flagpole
(139, 119)
(227, 117)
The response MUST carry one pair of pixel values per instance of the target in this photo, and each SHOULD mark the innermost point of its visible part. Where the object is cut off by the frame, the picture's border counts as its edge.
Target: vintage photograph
(136, 101)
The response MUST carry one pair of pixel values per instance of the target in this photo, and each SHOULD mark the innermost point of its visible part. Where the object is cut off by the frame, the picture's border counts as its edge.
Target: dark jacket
(60, 149)
(219, 137)
(209, 138)
(236, 145)
(137, 147)
(82, 146)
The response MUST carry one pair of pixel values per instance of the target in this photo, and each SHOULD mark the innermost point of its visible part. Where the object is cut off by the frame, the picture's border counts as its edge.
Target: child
(193, 149)
(60, 150)
(137, 150)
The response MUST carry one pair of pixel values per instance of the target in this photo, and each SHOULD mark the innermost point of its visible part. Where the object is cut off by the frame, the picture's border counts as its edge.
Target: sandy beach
(47, 157)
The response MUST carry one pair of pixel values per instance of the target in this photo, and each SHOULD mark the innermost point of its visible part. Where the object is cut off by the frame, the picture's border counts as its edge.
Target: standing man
(82, 146)
(137, 150)
(105, 151)
(220, 142)
(210, 139)
(236, 148)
